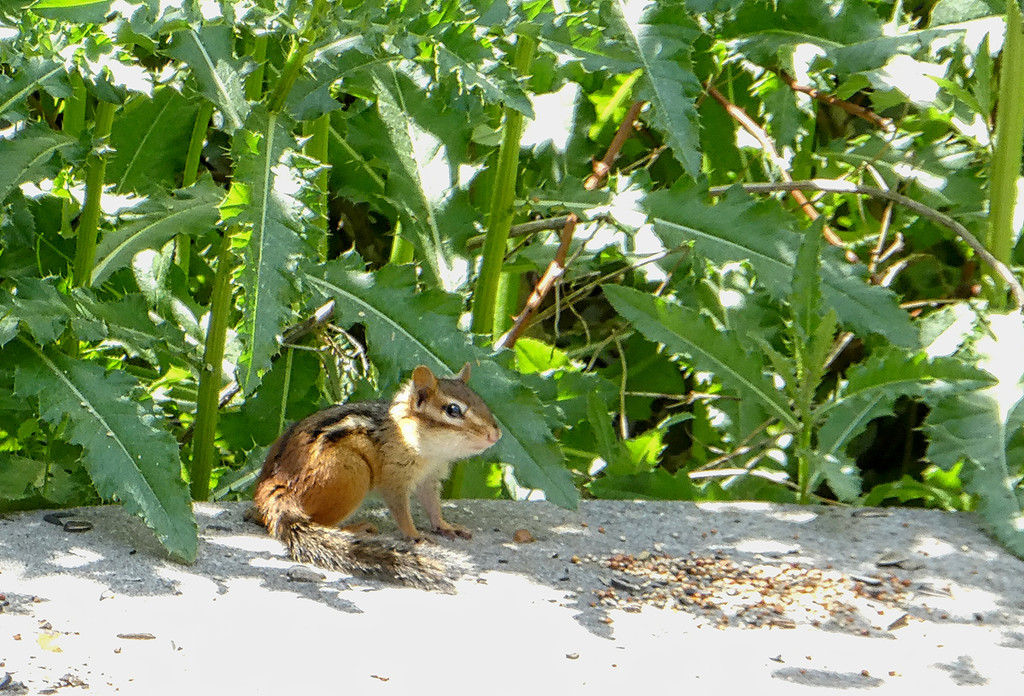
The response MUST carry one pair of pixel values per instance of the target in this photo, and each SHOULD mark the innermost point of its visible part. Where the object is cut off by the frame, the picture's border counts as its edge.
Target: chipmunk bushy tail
(336, 549)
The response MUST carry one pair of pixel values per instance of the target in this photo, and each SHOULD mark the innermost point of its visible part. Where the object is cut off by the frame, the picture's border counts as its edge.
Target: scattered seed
(523, 536)
(136, 636)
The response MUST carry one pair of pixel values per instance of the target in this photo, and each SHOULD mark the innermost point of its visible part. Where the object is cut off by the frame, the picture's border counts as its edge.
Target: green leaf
(851, 35)
(209, 52)
(405, 328)
(805, 298)
(533, 356)
(271, 171)
(425, 183)
(192, 211)
(682, 330)
(127, 322)
(496, 84)
(971, 427)
(311, 96)
(608, 445)
(982, 427)
(660, 35)
(840, 473)
(874, 385)
(34, 74)
(40, 307)
(150, 138)
(653, 485)
(29, 157)
(128, 455)
(22, 476)
(735, 230)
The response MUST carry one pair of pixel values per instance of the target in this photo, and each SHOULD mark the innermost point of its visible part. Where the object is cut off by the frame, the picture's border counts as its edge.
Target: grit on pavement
(610, 598)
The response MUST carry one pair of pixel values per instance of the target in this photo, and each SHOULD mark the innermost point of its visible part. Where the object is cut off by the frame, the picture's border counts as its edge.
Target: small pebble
(305, 574)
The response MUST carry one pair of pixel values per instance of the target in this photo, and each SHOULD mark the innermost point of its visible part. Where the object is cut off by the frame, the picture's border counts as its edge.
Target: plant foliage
(218, 217)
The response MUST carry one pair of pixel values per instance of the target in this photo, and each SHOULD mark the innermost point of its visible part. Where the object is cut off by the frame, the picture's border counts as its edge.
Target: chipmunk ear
(464, 373)
(424, 382)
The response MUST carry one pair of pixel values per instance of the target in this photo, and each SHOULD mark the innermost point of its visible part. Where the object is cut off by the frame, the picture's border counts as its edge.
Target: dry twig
(840, 186)
(882, 122)
(759, 134)
(554, 271)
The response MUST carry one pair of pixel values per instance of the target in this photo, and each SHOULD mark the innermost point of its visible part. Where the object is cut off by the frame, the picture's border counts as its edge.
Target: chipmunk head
(449, 421)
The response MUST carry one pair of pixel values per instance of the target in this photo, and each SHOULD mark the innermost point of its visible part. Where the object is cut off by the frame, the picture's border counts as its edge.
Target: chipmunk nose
(494, 435)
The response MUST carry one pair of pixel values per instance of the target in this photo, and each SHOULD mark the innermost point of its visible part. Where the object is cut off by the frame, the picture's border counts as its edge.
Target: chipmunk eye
(453, 411)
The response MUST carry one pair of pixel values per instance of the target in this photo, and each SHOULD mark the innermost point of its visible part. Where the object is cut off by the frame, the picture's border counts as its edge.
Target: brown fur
(321, 469)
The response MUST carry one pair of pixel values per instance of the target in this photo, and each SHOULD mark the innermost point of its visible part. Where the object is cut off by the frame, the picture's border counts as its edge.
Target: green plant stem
(204, 449)
(1006, 159)
(254, 81)
(190, 173)
(74, 108)
(73, 124)
(189, 176)
(499, 220)
(506, 302)
(803, 461)
(289, 73)
(316, 148)
(288, 356)
(89, 221)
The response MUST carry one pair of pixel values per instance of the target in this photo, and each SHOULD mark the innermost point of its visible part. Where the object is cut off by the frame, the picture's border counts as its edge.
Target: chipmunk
(319, 471)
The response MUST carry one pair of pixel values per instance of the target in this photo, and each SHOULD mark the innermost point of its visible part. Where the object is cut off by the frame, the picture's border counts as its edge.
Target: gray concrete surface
(765, 599)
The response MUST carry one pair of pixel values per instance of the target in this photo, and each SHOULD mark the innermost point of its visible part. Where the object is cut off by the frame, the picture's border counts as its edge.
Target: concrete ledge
(759, 597)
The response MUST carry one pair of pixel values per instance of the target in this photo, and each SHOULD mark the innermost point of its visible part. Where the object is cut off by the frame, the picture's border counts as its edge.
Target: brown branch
(882, 122)
(759, 134)
(840, 186)
(556, 268)
(554, 271)
(602, 168)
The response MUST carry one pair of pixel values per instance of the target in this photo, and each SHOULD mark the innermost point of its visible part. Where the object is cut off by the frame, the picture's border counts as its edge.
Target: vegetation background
(716, 250)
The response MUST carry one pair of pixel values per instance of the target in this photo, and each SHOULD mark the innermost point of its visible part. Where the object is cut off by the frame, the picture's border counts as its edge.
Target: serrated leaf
(608, 445)
(653, 485)
(894, 373)
(32, 75)
(127, 454)
(839, 472)
(190, 211)
(874, 385)
(405, 327)
(971, 427)
(276, 218)
(20, 476)
(851, 36)
(338, 59)
(496, 86)
(28, 157)
(38, 305)
(981, 427)
(150, 139)
(734, 230)
(126, 322)
(682, 330)
(659, 35)
(209, 52)
(424, 185)
(805, 297)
